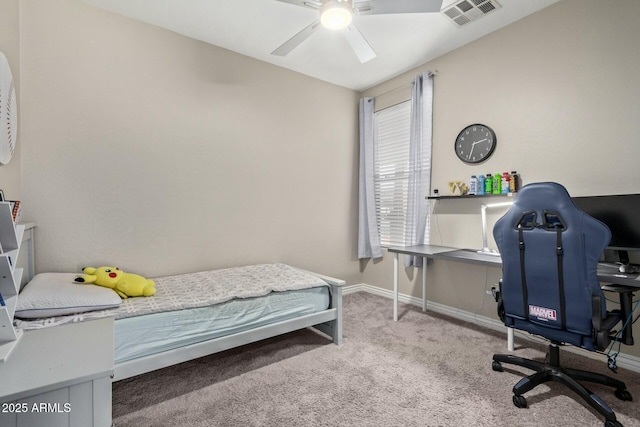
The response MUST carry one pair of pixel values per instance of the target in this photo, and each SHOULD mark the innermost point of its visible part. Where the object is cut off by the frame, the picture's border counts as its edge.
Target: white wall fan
(8, 112)
(337, 15)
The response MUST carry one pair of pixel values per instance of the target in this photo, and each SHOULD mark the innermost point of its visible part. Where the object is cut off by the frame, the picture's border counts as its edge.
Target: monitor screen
(621, 213)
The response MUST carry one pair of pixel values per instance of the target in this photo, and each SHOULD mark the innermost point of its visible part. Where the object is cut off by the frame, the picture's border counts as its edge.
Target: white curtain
(368, 237)
(420, 164)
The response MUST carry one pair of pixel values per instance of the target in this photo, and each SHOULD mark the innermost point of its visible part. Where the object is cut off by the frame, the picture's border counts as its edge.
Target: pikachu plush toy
(125, 284)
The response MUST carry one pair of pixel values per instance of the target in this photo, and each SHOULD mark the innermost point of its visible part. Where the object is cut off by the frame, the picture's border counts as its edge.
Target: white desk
(606, 273)
(435, 252)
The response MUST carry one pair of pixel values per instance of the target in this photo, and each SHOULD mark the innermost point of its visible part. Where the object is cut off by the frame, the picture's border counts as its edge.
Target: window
(395, 172)
(391, 172)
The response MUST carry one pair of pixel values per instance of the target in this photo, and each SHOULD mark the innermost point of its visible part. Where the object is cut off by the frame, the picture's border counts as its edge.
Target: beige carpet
(425, 370)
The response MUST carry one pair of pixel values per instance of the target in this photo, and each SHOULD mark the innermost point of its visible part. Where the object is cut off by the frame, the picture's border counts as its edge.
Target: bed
(191, 315)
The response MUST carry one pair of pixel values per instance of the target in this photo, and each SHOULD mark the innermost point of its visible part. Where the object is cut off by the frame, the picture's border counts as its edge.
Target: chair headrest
(548, 205)
(545, 196)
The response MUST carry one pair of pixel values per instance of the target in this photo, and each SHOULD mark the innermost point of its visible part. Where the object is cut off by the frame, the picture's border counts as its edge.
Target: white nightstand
(59, 376)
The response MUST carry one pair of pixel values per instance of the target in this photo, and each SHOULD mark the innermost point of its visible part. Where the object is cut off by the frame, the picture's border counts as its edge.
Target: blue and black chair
(550, 251)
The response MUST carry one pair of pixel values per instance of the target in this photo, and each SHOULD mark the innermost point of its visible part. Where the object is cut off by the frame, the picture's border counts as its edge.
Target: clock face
(475, 143)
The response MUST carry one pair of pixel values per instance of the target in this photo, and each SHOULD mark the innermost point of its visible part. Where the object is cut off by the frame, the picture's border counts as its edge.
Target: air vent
(465, 11)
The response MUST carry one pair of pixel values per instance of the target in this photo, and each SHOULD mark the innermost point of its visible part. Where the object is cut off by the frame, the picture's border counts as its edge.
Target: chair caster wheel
(497, 366)
(519, 401)
(624, 395)
(612, 424)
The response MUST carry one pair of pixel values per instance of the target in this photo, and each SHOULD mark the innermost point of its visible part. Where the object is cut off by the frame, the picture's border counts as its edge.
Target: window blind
(391, 171)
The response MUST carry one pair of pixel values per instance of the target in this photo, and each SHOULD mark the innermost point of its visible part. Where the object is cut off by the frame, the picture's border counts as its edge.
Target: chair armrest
(596, 312)
(626, 294)
(497, 295)
(602, 327)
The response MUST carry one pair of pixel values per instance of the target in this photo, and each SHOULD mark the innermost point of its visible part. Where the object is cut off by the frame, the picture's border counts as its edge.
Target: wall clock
(8, 112)
(475, 143)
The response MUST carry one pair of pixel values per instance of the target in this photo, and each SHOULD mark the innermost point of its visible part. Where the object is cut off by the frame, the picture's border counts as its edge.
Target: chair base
(552, 371)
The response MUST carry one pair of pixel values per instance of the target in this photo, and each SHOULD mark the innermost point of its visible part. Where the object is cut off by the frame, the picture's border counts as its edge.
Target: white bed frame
(328, 322)
(89, 390)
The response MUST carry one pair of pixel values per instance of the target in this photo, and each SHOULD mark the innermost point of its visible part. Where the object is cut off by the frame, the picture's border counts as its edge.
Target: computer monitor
(621, 213)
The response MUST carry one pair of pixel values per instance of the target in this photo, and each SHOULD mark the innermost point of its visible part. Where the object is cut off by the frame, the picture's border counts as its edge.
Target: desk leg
(424, 283)
(395, 286)
(510, 346)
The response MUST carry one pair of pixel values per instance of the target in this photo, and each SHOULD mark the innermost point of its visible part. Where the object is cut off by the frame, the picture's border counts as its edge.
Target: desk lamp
(483, 211)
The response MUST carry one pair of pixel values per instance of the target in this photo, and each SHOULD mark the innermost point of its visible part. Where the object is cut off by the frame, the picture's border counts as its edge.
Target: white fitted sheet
(154, 333)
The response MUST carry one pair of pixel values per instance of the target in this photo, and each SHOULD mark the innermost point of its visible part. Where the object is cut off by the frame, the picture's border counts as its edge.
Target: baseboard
(625, 361)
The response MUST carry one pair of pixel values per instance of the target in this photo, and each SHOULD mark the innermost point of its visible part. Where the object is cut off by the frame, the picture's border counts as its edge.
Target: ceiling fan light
(336, 14)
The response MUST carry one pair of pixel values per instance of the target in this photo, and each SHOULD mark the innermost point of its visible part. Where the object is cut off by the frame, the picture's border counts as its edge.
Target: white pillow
(56, 294)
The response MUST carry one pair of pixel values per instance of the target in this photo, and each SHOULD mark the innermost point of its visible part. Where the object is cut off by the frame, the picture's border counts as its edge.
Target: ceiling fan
(337, 15)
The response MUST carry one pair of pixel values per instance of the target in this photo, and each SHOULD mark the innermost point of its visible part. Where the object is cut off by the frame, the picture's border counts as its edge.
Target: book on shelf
(15, 210)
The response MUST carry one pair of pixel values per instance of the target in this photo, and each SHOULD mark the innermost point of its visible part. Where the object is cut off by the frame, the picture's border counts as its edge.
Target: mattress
(158, 332)
(195, 307)
(195, 290)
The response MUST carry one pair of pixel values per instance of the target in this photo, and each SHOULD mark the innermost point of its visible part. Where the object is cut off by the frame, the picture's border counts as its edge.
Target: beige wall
(10, 46)
(161, 154)
(558, 89)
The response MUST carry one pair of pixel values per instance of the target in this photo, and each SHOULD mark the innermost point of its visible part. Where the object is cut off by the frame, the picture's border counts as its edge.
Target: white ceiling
(256, 27)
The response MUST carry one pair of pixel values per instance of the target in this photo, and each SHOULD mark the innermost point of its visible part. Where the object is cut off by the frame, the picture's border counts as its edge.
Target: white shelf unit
(10, 278)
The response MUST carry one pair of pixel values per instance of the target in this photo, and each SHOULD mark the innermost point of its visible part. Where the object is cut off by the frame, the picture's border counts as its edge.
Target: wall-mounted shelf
(10, 278)
(471, 196)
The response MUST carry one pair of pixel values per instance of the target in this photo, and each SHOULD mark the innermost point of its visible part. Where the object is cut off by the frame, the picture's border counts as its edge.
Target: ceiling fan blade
(359, 44)
(379, 7)
(314, 4)
(295, 41)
